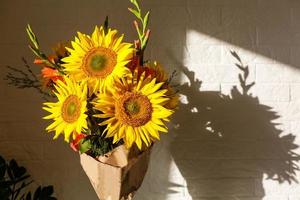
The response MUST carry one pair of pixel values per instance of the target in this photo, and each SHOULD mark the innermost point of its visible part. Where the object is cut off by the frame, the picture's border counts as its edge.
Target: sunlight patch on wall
(210, 59)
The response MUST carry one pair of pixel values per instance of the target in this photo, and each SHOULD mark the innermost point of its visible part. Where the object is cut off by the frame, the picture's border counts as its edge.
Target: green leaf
(18, 172)
(144, 43)
(35, 51)
(105, 25)
(46, 192)
(5, 193)
(28, 196)
(6, 184)
(145, 21)
(10, 173)
(37, 193)
(136, 13)
(135, 3)
(84, 146)
(88, 132)
(2, 168)
(32, 36)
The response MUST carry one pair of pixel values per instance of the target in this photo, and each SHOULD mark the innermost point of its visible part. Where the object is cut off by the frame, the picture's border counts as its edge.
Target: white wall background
(222, 145)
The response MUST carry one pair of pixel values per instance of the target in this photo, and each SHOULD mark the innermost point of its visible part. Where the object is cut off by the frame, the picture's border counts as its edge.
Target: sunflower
(69, 112)
(99, 58)
(134, 111)
(155, 70)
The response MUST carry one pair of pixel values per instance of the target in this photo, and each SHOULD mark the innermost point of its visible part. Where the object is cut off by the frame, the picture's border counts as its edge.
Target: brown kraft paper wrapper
(118, 174)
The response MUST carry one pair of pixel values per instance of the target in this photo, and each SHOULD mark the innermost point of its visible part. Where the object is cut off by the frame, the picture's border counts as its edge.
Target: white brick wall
(219, 147)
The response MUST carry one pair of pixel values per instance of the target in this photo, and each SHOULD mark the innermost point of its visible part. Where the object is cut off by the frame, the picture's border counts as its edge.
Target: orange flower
(38, 61)
(52, 74)
(75, 143)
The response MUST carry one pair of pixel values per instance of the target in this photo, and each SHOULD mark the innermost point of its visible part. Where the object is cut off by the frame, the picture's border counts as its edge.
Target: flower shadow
(226, 145)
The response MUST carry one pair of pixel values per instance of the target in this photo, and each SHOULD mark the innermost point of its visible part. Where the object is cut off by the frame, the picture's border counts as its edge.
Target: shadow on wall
(225, 144)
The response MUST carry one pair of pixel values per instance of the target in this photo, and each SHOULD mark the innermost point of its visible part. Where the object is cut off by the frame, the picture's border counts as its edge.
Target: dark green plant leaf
(5, 193)
(11, 186)
(21, 179)
(105, 25)
(2, 168)
(10, 173)
(37, 193)
(16, 169)
(28, 196)
(5, 184)
(47, 191)
(23, 185)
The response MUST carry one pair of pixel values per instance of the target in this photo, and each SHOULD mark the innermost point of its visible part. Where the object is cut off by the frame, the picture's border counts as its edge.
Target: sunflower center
(71, 109)
(133, 109)
(99, 62)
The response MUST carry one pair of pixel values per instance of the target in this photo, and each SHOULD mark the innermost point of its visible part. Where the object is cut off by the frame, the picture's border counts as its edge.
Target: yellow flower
(134, 110)
(69, 112)
(161, 76)
(99, 58)
(155, 70)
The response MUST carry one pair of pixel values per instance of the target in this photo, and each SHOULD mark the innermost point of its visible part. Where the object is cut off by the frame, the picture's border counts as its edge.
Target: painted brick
(253, 136)
(205, 54)
(270, 73)
(222, 187)
(273, 92)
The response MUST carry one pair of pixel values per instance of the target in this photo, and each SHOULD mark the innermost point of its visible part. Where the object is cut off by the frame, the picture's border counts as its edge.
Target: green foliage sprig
(141, 28)
(14, 179)
(35, 48)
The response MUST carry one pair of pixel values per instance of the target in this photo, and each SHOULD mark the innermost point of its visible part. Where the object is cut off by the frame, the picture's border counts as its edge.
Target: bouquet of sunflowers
(110, 104)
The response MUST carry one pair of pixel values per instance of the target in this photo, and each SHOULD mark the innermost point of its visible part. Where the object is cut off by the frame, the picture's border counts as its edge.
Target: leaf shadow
(226, 145)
